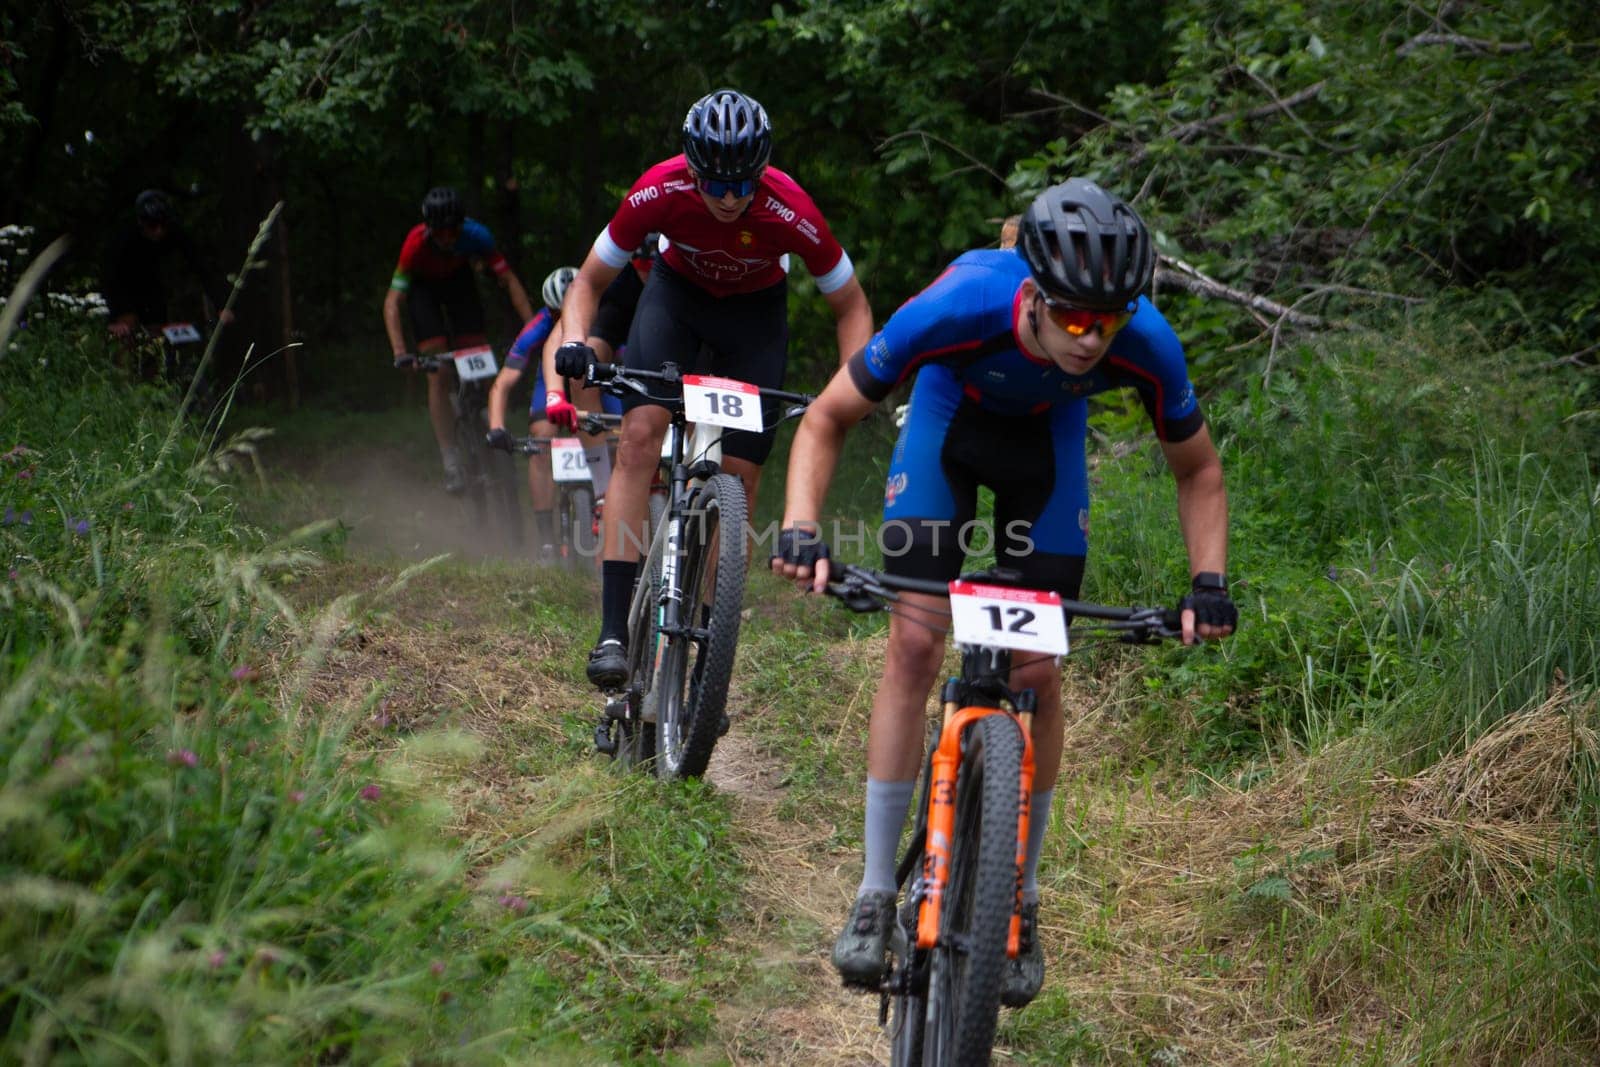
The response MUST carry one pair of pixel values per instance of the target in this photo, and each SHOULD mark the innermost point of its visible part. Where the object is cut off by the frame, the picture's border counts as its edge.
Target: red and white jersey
(725, 258)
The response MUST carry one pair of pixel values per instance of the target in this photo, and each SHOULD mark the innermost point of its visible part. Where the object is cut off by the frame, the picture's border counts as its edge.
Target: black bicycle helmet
(152, 206)
(726, 136)
(1087, 247)
(442, 207)
(555, 285)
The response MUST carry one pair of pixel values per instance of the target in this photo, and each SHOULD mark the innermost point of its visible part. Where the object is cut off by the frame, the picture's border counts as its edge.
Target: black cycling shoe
(1022, 978)
(608, 664)
(859, 953)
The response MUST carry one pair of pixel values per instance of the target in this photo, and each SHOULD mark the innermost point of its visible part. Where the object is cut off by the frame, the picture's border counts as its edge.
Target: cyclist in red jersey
(434, 276)
(727, 220)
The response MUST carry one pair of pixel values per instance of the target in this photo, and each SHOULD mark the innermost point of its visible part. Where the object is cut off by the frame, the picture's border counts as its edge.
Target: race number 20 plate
(567, 462)
(722, 402)
(1001, 617)
(475, 363)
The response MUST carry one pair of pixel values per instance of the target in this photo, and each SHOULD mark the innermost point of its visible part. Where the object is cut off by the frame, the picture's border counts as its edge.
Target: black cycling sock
(544, 528)
(616, 592)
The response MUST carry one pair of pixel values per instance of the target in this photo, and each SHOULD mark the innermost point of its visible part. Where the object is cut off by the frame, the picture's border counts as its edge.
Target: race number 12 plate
(1020, 619)
(722, 402)
(475, 363)
(567, 463)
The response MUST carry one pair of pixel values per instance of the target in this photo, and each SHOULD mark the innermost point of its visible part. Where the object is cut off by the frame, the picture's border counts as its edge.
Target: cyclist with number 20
(1005, 347)
(728, 219)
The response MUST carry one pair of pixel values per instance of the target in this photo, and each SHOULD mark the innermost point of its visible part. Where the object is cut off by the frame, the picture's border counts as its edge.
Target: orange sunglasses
(1079, 321)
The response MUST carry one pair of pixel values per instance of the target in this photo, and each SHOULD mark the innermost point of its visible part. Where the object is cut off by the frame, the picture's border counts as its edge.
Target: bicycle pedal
(605, 741)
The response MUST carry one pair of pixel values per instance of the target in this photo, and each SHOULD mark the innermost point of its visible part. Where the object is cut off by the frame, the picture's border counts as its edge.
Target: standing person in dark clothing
(132, 281)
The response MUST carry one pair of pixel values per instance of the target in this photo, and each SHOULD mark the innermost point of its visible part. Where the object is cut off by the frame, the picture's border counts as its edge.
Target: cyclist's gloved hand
(799, 547)
(1210, 602)
(573, 359)
(498, 438)
(559, 410)
(403, 360)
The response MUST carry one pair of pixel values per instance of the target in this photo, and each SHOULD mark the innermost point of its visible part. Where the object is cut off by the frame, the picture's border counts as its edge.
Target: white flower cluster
(87, 304)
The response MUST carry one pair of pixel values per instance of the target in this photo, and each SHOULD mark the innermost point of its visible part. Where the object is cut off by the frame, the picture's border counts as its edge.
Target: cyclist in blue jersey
(434, 278)
(528, 350)
(1005, 346)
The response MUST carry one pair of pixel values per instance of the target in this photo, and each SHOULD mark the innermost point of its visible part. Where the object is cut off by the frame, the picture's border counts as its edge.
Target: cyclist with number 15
(1005, 345)
(728, 220)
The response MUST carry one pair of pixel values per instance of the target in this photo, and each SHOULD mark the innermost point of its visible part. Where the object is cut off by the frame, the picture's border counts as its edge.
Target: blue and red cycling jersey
(529, 345)
(423, 260)
(966, 321)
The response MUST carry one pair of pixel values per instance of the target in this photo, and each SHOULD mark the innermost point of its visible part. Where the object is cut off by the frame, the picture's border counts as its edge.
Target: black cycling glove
(573, 359)
(403, 360)
(1210, 601)
(801, 547)
(498, 438)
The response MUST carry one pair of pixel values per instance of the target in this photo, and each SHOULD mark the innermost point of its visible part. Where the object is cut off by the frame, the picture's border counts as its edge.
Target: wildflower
(127, 505)
(181, 757)
(514, 902)
(25, 474)
(13, 574)
(437, 967)
(27, 517)
(297, 796)
(371, 792)
(17, 453)
(9, 517)
(79, 526)
(217, 959)
(245, 674)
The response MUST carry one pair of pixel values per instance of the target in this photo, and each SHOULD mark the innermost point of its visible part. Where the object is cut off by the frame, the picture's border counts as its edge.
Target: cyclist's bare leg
(440, 385)
(594, 444)
(628, 499)
(541, 484)
(1043, 676)
(910, 669)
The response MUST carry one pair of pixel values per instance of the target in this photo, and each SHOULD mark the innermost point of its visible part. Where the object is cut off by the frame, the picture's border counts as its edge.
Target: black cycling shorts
(446, 309)
(617, 305)
(744, 337)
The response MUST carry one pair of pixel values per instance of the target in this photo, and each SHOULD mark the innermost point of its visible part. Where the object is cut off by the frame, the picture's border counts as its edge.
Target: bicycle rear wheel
(965, 966)
(693, 668)
(582, 545)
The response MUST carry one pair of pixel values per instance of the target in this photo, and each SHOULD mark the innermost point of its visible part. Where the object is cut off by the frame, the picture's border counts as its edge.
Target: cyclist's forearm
(853, 319)
(517, 295)
(504, 382)
(391, 321)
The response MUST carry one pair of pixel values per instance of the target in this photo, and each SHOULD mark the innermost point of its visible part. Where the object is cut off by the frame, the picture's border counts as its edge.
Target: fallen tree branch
(1457, 40)
(1181, 275)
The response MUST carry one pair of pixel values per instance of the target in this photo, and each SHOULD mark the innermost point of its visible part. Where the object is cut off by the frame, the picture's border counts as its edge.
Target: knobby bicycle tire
(966, 966)
(506, 486)
(908, 1013)
(691, 682)
(578, 529)
(636, 741)
(474, 471)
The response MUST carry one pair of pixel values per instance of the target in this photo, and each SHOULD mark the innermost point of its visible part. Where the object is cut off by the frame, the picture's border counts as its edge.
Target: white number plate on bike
(567, 462)
(180, 333)
(1021, 619)
(722, 402)
(475, 363)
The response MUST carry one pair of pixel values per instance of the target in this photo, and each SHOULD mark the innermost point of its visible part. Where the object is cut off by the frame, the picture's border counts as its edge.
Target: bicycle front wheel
(582, 544)
(636, 742)
(965, 968)
(506, 486)
(694, 666)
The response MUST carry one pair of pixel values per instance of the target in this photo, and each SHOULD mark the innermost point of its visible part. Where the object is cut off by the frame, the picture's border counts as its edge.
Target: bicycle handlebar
(617, 380)
(865, 590)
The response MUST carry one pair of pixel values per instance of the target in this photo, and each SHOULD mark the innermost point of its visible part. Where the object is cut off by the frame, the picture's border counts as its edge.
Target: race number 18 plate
(722, 402)
(1020, 619)
(475, 363)
(566, 460)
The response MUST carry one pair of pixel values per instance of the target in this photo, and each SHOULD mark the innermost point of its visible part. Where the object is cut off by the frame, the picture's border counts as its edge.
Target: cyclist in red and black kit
(727, 219)
(434, 277)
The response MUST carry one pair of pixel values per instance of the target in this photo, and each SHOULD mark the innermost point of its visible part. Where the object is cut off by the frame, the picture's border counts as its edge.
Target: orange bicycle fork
(942, 820)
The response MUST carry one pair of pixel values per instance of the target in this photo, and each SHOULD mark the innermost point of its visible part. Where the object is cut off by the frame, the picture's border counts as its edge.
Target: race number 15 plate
(475, 363)
(722, 402)
(1019, 619)
(567, 463)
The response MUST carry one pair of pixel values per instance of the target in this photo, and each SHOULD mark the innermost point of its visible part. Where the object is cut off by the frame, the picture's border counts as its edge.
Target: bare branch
(1456, 40)
(1181, 275)
(963, 153)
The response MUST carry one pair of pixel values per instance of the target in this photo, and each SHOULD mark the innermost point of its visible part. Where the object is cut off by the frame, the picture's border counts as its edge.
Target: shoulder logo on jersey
(894, 487)
(780, 209)
(878, 353)
(1186, 399)
(644, 196)
(808, 230)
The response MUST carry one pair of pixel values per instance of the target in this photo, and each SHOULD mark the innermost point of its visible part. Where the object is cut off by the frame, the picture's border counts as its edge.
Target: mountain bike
(683, 622)
(577, 542)
(960, 878)
(491, 477)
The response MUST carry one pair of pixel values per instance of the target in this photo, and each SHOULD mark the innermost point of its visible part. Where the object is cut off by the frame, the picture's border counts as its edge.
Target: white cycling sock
(887, 804)
(599, 460)
(451, 456)
(1038, 820)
